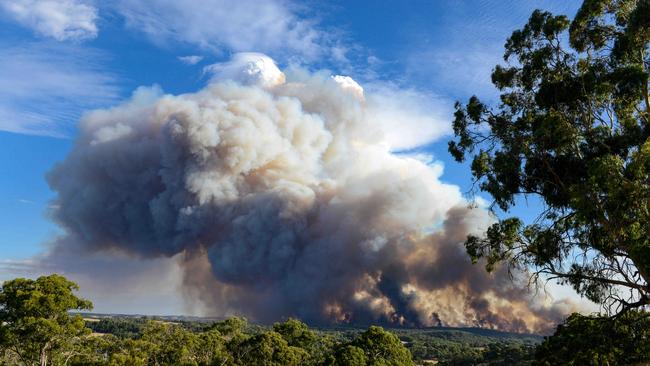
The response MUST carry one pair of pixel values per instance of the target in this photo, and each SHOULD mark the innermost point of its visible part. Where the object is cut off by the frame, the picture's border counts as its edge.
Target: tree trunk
(44, 350)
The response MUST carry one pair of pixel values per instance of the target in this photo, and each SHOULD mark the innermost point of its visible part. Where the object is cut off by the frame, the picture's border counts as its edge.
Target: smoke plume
(281, 197)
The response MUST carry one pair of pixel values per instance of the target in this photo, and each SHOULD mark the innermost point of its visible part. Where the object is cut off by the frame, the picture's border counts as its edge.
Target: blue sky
(59, 58)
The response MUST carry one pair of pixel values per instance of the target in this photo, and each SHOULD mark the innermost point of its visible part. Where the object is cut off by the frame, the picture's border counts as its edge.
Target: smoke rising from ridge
(281, 197)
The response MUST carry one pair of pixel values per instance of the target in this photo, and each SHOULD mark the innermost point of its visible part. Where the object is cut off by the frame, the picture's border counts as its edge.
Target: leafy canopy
(591, 340)
(374, 347)
(572, 129)
(34, 319)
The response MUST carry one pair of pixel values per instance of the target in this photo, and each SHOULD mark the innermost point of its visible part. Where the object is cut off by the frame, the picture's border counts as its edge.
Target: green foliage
(127, 352)
(349, 355)
(374, 347)
(120, 327)
(231, 326)
(296, 333)
(269, 349)
(159, 344)
(111, 351)
(592, 340)
(34, 319)
(470, 346)
(172, 344)
(383, 348)
(572, 129)
(232, 342)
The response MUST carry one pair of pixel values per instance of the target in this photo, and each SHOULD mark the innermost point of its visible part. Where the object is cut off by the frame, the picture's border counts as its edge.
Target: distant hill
(487, 332)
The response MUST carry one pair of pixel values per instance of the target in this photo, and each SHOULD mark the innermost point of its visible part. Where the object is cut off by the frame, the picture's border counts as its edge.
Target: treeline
(153, 342)
(37, 328)
(229, 343)
(133, 326)
(327, 346)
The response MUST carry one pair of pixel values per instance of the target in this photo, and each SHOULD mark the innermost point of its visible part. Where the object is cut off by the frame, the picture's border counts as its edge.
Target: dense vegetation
(448, 346)
(37, 328)
(593, 340)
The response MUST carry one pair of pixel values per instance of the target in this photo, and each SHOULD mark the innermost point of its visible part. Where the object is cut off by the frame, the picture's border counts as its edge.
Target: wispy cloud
(456, 72)
(409, 117)
(190, 60)
(45, 87)
(457, 60)
(58, 19)
(270, 26)
(17, 267)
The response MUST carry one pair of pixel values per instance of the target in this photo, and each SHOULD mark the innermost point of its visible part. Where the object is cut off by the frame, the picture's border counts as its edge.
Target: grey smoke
(283, 200)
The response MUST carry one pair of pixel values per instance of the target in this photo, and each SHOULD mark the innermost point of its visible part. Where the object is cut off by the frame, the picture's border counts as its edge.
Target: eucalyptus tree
(572, 129)
(35, 324)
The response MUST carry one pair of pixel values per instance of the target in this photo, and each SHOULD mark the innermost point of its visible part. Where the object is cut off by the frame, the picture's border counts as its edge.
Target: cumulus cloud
(190, 60)
(350, 85)
(280, 200)
(59, 19)
(44, 88)
(248, 68)
(264, 25)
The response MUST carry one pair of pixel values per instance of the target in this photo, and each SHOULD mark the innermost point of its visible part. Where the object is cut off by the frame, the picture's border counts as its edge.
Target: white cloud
(248, 68)
(408, 117)
(190, 60)
(59, 19)
(262, 25)
(350, 85)
(44, 88)
(423, 157)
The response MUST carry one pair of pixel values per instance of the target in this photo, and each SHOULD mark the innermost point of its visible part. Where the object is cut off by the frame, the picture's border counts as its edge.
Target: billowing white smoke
(248, 68)
(283, 199)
